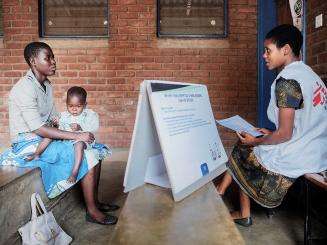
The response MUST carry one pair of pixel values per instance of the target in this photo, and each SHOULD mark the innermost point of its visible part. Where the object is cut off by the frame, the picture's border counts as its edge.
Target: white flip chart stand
(175, 142)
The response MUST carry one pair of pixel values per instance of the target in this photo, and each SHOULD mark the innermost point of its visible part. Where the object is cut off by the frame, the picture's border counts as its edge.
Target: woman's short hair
(78, 92)
(286, 34)
(32, 49)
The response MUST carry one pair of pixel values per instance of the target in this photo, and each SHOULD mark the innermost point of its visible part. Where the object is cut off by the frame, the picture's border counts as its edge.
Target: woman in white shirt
(31, 111)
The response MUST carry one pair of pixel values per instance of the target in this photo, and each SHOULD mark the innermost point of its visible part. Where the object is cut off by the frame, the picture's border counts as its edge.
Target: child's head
(76, 100)
(281, 43)
(40, 58)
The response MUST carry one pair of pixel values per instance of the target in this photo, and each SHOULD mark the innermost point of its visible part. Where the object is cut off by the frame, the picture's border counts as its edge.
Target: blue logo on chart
(204, 169)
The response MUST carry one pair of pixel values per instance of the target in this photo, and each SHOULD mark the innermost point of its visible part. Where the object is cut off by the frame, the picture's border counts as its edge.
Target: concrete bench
(150, 216)
(16, 188)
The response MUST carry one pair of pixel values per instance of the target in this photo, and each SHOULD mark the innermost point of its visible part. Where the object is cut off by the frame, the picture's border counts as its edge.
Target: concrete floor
(285, 227)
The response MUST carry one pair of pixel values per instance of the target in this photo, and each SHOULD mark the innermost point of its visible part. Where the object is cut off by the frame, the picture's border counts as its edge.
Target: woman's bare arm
(282, 134)
(54, 133)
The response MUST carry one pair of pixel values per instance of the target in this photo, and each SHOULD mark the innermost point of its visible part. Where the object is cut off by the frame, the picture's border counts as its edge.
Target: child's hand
(55, 122)
(75, 127)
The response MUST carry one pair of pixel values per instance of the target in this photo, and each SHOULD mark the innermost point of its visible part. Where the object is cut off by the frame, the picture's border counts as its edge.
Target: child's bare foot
(32, 157)
(72, 179)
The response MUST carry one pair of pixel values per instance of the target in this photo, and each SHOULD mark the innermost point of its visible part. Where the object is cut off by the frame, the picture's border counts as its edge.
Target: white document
(238, 124)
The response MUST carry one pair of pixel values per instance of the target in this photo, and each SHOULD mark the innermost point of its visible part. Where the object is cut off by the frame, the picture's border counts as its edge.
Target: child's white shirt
(88, 120)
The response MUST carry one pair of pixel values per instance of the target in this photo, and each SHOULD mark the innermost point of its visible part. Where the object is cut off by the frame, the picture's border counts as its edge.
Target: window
(1, 21)
(192, 18)
(73, 18)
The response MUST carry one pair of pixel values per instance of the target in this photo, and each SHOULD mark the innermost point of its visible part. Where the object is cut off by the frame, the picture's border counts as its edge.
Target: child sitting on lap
(78, 118)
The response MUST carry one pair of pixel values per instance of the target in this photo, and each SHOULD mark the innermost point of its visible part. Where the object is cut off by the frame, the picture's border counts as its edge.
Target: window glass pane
(192, 18)
(1, 21)
(74, 18)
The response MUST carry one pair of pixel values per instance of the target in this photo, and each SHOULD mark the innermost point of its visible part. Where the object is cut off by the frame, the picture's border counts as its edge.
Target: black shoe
(244, 221)
(105, 207)
(108, 220)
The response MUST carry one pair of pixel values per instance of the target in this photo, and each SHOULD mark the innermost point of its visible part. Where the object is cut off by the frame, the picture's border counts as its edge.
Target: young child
(78, 119)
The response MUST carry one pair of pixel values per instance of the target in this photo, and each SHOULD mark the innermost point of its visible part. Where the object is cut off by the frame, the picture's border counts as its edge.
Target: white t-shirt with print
(88, 120)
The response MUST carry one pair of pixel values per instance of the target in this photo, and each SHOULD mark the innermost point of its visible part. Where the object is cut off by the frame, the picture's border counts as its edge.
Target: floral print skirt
(265, 187)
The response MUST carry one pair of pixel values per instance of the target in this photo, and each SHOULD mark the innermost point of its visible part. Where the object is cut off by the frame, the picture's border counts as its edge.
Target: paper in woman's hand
(238, 124)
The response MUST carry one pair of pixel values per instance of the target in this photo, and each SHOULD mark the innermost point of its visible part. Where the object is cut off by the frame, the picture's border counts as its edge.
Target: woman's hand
(247, 139)
(86, 137)
(264, 131)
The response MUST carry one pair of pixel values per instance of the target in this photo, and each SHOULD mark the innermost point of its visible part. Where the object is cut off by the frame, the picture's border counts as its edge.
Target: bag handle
(37, 203)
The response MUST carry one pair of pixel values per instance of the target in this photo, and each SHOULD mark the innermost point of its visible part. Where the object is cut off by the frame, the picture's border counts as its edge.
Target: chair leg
(307, 221)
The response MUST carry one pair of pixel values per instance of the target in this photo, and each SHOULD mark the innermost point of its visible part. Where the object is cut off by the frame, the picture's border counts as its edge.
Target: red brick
(151, 66)
(165, 59)
(67, 59)
(97, 66)
(87, 74)
(5, 67)
(86, 59)
(128, 15)
(12, 74)
(77, 51)
(125, 59)
(76, 66)
(97, 81)
(68, 74)
(125, 73)
(105, 59)
(144, 59)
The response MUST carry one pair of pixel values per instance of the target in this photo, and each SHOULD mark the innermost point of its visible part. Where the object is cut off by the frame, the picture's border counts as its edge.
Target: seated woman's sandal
(108, 220)
(244, 221)
(106, 207)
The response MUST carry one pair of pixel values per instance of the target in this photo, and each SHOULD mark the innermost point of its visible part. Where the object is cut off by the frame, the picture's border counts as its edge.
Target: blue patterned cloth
(56, 162)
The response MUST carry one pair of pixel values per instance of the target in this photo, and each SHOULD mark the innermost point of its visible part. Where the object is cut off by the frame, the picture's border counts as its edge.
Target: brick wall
(112, 69)
(317, 38)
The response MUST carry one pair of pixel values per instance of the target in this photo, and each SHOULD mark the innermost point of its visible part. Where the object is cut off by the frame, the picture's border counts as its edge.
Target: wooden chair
(311, 181)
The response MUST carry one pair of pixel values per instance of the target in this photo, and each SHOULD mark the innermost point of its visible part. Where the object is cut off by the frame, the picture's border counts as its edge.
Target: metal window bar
(200, 13)
(66, 6)
(1, 20)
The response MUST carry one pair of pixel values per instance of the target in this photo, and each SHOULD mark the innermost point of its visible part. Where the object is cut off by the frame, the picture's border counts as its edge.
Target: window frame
(200, 36)
(42, 29)
(1, 17)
